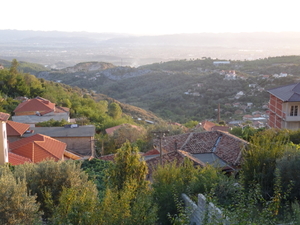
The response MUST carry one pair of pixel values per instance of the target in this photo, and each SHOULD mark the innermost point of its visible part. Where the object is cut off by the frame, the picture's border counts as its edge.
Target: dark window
(294, 110)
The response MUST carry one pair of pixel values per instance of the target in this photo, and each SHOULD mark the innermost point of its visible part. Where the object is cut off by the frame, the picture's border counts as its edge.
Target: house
(32, 111)
(79, 139)
(216, 63)
(210, 126)
(239, 94)
(218, 148)
(38, 148)
(230, 75)
(32, 149)
(14, 130)
(284, 107)
(283, 75)
(247, 117)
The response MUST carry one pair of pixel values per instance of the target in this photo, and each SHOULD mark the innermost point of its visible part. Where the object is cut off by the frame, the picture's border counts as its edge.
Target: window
(294, 110)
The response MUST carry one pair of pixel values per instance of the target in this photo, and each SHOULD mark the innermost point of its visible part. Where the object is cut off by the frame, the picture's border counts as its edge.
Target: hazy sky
(151, 17)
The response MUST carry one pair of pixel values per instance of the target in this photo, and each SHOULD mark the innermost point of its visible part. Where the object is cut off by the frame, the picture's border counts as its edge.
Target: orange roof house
(38, 148)
(14, 129)
(38, 110)
(34, 106)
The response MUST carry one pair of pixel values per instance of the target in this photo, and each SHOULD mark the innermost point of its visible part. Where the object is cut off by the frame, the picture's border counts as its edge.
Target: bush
(17, 207)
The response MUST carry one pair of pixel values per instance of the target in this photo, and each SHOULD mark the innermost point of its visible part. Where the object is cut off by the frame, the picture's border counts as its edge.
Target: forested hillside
(184, 90)
(82, 102)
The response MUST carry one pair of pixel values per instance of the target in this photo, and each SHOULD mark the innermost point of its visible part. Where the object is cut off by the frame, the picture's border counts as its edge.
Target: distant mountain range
(62, 49)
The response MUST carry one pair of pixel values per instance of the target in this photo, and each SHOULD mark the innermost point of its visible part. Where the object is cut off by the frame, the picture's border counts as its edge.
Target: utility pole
(219, 112)
(160, 135)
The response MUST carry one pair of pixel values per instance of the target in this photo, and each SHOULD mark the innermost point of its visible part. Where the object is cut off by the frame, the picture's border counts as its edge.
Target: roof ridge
(190, 156)
(187, 140)
(233, 136)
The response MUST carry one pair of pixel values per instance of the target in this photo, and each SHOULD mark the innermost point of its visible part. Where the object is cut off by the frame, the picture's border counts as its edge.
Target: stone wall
(203, 212)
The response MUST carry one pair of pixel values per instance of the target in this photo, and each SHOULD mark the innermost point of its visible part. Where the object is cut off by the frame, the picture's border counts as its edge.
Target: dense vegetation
(98, 192)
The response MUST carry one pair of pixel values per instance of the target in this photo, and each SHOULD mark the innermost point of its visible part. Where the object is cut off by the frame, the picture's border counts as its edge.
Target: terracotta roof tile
(4, 116)
(60, 109)
(39, 147)
(111, 130)
(15, 159)
(35, 104)
(15, 128)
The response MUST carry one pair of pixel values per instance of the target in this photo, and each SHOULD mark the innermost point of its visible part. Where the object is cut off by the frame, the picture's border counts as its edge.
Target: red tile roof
(226, 146)
(111, 130)
(15, 159)
(38, 148)
(4, 116)
(35, 105)
(60, 109)
(15, 128)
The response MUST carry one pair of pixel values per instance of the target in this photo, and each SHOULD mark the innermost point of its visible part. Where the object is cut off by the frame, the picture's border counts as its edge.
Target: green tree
(169, 182)
(128, 167)
(48, 179)
(191, 124)
(17, 207)
(259, 159)
(128, 198)
(96, 169)
(77, 205)
(129, 133)
(114, 110)
(14, 67)
(289, 167)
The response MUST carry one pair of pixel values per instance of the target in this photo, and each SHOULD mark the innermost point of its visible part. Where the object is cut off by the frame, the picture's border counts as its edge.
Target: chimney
(3, 143)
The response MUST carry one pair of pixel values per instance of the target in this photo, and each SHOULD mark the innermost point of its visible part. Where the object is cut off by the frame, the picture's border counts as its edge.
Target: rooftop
(224, 145)
(287, 93)
(15, 128)
(38, 148)
(81, 131)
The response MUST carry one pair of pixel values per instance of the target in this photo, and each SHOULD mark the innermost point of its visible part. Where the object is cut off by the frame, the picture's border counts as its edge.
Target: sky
(155, 17)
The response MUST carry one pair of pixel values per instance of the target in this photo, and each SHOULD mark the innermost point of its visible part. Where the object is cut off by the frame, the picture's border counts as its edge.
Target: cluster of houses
(22, 142)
